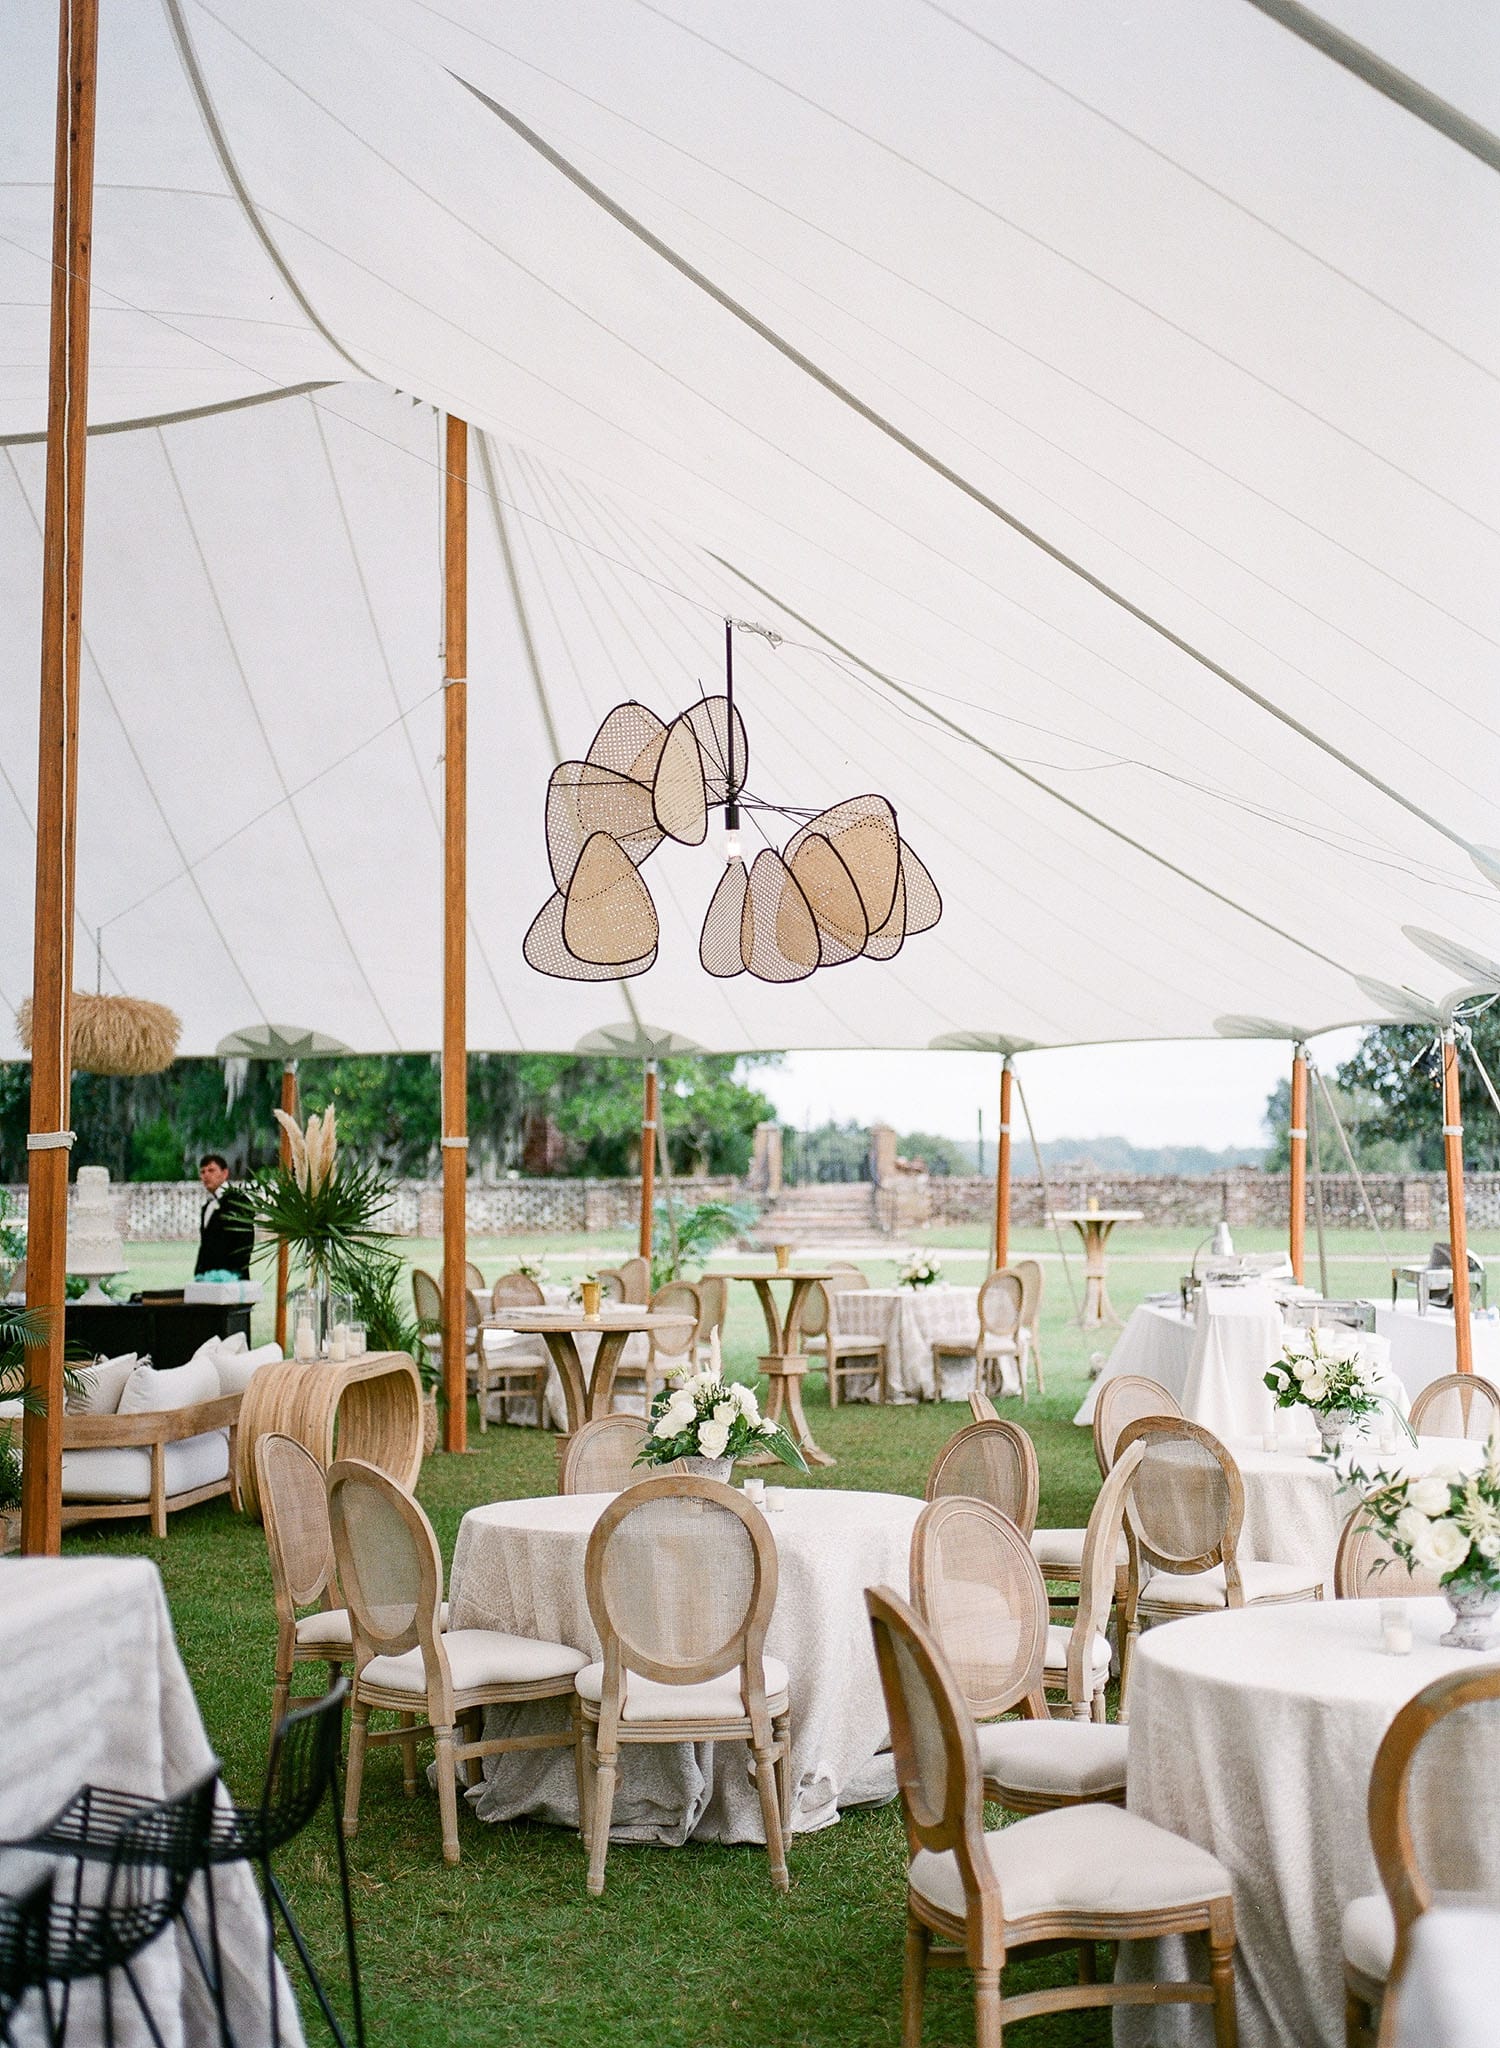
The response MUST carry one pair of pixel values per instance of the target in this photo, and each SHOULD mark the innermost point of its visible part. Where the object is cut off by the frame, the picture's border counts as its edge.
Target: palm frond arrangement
(326, 1212)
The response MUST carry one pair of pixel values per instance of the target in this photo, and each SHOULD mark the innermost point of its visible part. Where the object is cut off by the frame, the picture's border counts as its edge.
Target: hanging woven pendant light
(115, 1034)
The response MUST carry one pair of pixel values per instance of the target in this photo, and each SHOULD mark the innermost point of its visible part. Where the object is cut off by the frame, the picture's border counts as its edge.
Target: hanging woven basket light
(115, 1034)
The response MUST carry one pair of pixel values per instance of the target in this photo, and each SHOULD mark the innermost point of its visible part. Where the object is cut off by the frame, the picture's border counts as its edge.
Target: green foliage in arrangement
(328, 1212)
(685, 1236)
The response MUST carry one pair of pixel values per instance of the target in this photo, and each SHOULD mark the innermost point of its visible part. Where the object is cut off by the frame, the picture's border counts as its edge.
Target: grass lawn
(685, 1950)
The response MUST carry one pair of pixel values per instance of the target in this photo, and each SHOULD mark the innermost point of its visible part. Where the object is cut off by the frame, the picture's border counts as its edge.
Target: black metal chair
(25, 1918)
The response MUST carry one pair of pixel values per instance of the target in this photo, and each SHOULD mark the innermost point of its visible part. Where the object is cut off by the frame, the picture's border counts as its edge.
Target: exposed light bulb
(731, 845)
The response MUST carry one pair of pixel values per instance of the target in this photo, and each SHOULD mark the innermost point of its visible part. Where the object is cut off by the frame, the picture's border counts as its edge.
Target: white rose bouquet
(1329, 1372)
(921, 1272)
(703, 1415)
(1447, 1522)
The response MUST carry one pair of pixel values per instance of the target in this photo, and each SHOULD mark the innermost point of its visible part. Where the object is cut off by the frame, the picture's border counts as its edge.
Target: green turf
(686, 1948)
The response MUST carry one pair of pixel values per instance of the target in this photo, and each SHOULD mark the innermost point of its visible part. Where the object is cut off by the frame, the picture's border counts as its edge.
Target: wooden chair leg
(280, 1692)
(987, 2009)
(770, 1812)
(581, 1766)
(782, 1730)
(1221, 1974)
(913, 1981)
(1088, 1964)
(408, 1755)
(447, 1788)
(354, 1773)
(602, 1804)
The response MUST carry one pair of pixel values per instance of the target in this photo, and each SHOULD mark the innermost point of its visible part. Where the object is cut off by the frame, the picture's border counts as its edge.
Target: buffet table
(1213, 1363)
(1423, 1347)
(167, 1331)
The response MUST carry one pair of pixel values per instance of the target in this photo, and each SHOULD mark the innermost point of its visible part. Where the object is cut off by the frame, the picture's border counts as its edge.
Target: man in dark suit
(226, 1230)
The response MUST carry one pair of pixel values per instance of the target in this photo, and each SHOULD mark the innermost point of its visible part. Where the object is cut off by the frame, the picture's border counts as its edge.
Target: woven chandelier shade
(115, 1034)
(845, 887)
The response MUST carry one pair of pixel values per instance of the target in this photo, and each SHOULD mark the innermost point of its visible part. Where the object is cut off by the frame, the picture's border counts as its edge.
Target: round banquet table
(1253, 1734)
(518, 1565)
(1295, 1508)
(909, 1318)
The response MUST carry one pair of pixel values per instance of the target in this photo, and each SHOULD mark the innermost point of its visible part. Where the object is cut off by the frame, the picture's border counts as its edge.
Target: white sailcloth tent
(1101, 408)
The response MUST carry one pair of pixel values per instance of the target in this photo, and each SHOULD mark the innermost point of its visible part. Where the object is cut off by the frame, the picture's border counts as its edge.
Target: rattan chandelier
(844, 887)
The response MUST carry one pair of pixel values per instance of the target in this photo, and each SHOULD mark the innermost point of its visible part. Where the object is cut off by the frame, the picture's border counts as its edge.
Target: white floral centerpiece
(709, 1421)
(922, 1271)
(1330, 1373)
(1446, 1522)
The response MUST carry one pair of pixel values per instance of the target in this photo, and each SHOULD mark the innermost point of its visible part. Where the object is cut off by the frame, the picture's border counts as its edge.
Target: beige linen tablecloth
(909, 1318)
(94, 1692)
(518, 1565)
(1253, 1734)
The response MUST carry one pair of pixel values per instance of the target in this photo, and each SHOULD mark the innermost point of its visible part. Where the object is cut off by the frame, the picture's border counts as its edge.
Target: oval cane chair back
(977, 1586)
(601, 1456)
(982, 1408)
(1187, 1501)
(635, 1278)
(1459, 1404)
(1000, 1305)
(674, 1349)
(848, 1274)
(713, 1294)
(1121, 1401)
(611, 1284)
(680, 1576)
(932, 1740)
(1431, 1836)
(1098, 1577)
(388, 1564)
(815, 1311)
(1029, 1273)
(990, 1461)
(427, 1299)
(299, 1537)
(516, 1290)
(1366, 1568)
(474, 1280)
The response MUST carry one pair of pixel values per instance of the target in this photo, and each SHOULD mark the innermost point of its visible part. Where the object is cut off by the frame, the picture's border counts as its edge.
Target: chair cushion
(716, 1699)
(477, 1657)
(1370, 1935)
(328, 1629)
(125, 1474)
(1094, 1861)
(1065, 1759)
(1065, 1547)
(1205, 1590)
(1057, 1650)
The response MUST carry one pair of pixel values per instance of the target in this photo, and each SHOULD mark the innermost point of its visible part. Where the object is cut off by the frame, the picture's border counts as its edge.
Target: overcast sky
(1188, 1093)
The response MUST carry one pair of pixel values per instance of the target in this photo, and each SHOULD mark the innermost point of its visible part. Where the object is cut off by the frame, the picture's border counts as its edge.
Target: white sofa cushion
(100, 1386)
(148, 1392)
(236, 1369)
(716, 1699)
(125, 1474)
(1055, 1759)
(1370, 1935)
(1090, 1860)
(1204, 1591)
(477, 1657)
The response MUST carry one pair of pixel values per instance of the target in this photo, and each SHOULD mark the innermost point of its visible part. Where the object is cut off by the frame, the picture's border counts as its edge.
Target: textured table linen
(1423, 1347)
(909, 1318)
(1157, 1342)
(1450, 1995)
(518, 1565)
(1253, 1734)
(95, 1692)
(1295, 1508)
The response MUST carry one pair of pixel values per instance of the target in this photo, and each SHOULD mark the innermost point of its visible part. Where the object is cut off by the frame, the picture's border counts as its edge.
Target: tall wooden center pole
(649, 1109)
(1297, 1217)
(455, 1145)
(1458, 1224)
(283, 1254)
(50, 1140)
(1002, 1170)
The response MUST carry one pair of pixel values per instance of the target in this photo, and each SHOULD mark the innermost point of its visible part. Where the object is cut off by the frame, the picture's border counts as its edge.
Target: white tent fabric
(779, 313)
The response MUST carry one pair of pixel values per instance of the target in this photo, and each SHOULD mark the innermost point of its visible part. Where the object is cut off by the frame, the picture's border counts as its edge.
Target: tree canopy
(1389, 1099)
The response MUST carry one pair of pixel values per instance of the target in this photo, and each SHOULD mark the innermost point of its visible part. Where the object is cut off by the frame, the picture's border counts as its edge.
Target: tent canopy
(792, 315)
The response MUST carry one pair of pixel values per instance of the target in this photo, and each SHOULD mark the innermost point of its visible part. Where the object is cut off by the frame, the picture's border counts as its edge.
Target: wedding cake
(95, 1247)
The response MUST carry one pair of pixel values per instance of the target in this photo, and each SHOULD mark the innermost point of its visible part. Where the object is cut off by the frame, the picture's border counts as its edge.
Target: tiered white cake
(95, 1247)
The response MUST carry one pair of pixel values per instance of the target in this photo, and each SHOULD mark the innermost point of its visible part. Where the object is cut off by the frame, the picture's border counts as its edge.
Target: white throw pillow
(148, 1391)
(238, 1368)
(215, 1348)
(100, 1386)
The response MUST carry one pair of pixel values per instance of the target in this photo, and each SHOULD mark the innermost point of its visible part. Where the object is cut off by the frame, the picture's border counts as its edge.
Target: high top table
(785, 1363)
(586, 1395)
(1094, 1227)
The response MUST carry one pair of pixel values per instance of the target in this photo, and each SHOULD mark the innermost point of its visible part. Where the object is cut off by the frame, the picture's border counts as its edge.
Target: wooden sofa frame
(153, 1432)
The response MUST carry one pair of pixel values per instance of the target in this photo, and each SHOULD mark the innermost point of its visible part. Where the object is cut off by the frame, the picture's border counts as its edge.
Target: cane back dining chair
(635, 1278)
(515, 1367)
(993, 1461)
(681, 1576)
(1077, 1876)
(1365, 1567)
(847, 1354)
(1120, 1402)
(1029, 1272)
(674, 1351)
(600, 1457)
(1431, 1837)
(404, 1663)
(1001, 1340)
(983, 1409)
(1459, 1404)
(474, 1280)
(713, 1296)
(427, 1299)
(299, 1545)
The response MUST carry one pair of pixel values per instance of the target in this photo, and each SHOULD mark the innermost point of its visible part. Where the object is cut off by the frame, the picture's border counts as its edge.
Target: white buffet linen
(518, 1565)
(1157, 1343)
(1236, 1340)
(1253, 1734)
(1295, 1507)
(1422, 1347)
(95, 1693)
(1450, 1992)
(909, 1318)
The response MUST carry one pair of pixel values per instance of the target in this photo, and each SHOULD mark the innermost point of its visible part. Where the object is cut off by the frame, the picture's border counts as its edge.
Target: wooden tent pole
(455, 1123)
(50, 1140)
(1297, 1221)
(1002, 1170)
(1458, 1226)
(649, 1108)
(283, 1254)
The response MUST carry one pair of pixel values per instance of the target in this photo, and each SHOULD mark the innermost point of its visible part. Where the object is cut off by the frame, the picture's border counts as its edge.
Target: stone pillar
(883, 1153)
(765, 1165)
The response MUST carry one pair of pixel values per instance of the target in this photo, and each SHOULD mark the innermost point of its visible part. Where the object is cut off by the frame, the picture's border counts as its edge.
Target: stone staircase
(832, 1213)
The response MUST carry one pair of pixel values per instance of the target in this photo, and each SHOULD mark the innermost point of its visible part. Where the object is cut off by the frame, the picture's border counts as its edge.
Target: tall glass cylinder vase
(308, 1315)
